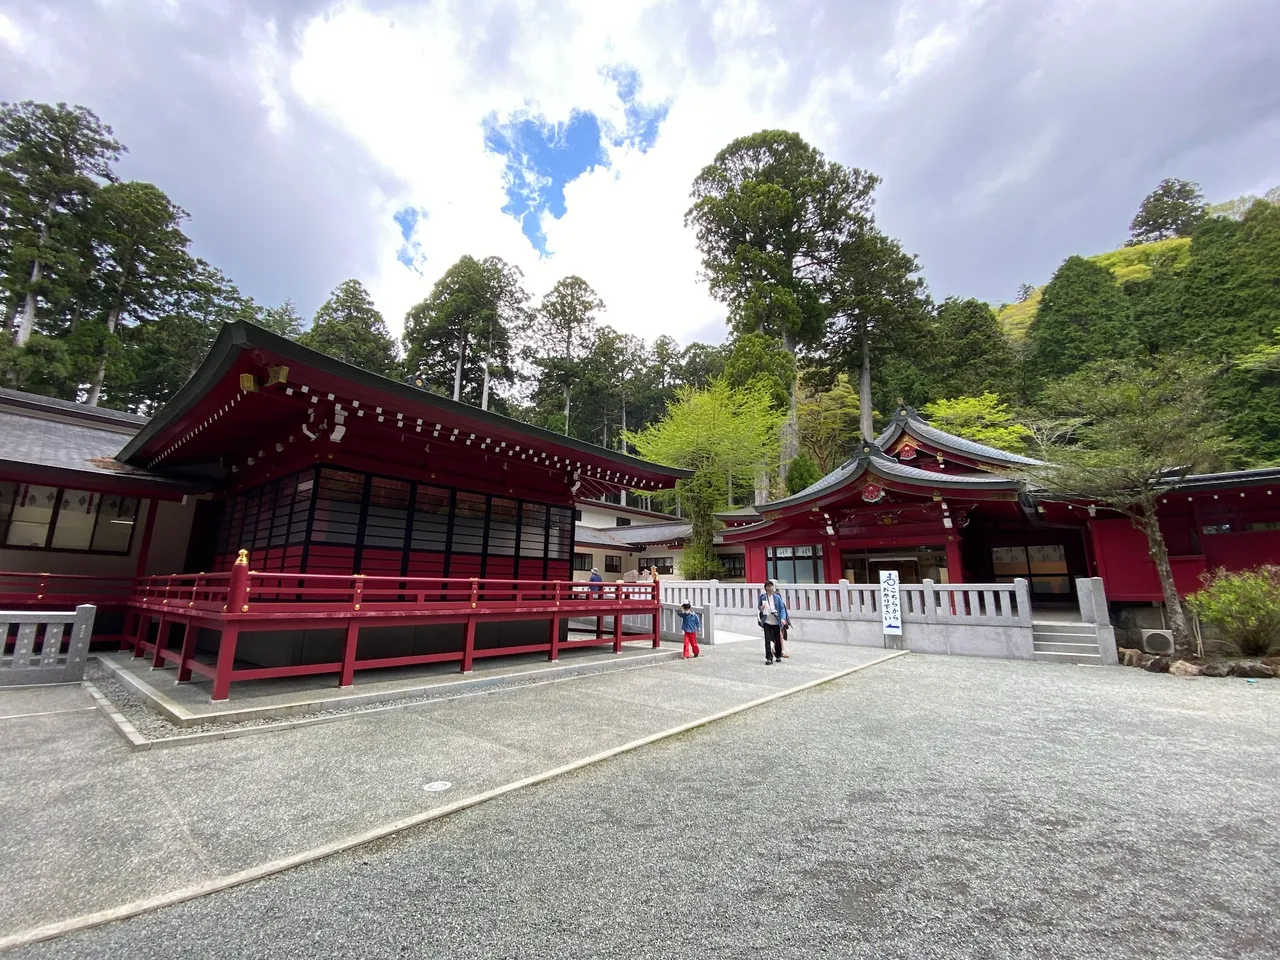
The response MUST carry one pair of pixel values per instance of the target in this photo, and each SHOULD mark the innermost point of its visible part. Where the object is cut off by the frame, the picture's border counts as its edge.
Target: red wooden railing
(243, 601)
(63, 590)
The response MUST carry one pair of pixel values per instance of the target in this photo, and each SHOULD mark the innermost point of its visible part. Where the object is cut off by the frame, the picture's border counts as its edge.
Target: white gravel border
(62, 927)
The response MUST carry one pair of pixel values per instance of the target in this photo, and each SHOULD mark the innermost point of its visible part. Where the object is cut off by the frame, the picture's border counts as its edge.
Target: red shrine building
(932, 505)
(288, 514)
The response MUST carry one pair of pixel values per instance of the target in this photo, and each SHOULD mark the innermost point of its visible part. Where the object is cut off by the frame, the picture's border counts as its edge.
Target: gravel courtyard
(927, 807)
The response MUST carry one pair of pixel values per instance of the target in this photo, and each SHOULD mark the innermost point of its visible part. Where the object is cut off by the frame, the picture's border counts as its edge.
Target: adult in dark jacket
(595, 578)
(773, 617)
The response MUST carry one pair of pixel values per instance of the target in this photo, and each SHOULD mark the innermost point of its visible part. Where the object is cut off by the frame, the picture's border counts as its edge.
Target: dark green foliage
(974, 356)
(467, 327)
(803, 473)
(284, 320)
(1083, 316)
(349, 328)
(1173, 209)
(762, 362)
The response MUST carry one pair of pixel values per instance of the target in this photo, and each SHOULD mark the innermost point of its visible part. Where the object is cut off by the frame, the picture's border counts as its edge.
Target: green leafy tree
(284, 320)
(1136, 430)
(803, 473)
(1083, 316)
(562, 332)
(52, 161)
(464, 331)
(772, 215)
(982, 418)
(829, 421)
(722, 434)
(142, 256)
(1173, 209)
(972, 353)
(348, 327)
(762, 362)
(1245, 606)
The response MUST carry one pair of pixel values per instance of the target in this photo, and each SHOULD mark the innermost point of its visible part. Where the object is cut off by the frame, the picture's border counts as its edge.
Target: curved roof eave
(239, 336)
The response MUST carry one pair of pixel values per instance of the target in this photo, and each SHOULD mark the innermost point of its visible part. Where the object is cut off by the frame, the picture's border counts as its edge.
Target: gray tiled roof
(130, 422)
(639, 534)
(947, 441)
(594, 537)
(876, 462)
(30, 439)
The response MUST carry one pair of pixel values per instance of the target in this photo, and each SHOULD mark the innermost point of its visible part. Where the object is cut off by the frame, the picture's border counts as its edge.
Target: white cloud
(405, 84)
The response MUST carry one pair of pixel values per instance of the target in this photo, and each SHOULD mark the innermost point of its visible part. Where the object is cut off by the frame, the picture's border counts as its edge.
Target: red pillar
(955, 569)
(617, 630)
(144, 550)
(348, 676)
(469, 644)
(238, 591)
(189, 634)
(226, 662)
(555, 637)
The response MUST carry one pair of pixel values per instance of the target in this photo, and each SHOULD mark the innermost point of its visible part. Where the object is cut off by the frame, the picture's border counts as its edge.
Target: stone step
(1082, 628)
(1050, 657)
(1059, 646)
(1089, 638)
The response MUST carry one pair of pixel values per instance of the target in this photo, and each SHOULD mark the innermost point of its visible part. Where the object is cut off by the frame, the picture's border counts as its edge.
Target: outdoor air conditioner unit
(1159, 642)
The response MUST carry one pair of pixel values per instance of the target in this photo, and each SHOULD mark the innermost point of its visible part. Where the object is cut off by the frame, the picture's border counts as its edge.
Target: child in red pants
(691, 623)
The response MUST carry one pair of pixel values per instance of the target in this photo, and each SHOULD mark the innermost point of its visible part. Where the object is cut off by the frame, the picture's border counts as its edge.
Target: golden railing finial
(243, 558)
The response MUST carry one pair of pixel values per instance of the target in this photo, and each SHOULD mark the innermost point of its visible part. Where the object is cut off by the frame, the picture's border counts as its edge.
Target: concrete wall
(984, 620)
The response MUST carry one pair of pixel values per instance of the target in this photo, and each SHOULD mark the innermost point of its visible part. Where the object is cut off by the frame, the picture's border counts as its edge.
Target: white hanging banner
(890, 605)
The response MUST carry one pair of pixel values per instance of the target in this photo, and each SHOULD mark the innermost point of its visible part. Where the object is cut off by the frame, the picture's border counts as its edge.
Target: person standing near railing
(690, 623)
(595, 578)
(773, 617)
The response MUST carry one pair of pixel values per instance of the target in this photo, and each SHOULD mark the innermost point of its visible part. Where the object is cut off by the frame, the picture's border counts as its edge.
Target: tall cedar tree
(771, 215)
(973, 354)
(52, 161)
(562, 332)
(1083, 316)
(284, 320)
(1138, 431)
(879, 310)
(349, 328)
(1173, 209)
(460, 337)
(142, 257)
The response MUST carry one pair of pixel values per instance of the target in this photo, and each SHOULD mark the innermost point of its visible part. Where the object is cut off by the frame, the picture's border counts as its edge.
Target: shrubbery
(1245, 606)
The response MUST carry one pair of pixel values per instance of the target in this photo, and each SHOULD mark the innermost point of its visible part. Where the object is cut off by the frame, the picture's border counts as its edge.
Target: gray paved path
(926, 808)
(90, 825)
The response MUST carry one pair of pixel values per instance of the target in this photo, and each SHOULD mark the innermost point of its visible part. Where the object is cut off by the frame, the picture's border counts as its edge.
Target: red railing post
(188, 651)
(348, 676)
(617, 626)
(226, 661)
(469, 644)
(162, 642)
(238, 591)
(358, 595)
(554, 653)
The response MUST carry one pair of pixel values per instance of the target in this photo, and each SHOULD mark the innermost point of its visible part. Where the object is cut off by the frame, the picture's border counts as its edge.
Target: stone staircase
(1066, 642)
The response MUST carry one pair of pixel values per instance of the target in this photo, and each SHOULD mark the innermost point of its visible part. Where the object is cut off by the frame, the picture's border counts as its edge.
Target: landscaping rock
(1251, 668)
(1157, 665)
(1216, 668)
(1185, 668)
(1131, 657)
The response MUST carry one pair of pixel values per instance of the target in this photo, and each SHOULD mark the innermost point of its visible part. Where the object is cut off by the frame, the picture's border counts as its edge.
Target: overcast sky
(315, 141)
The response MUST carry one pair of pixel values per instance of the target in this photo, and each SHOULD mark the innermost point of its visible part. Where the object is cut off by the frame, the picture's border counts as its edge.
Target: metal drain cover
(437, 785)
